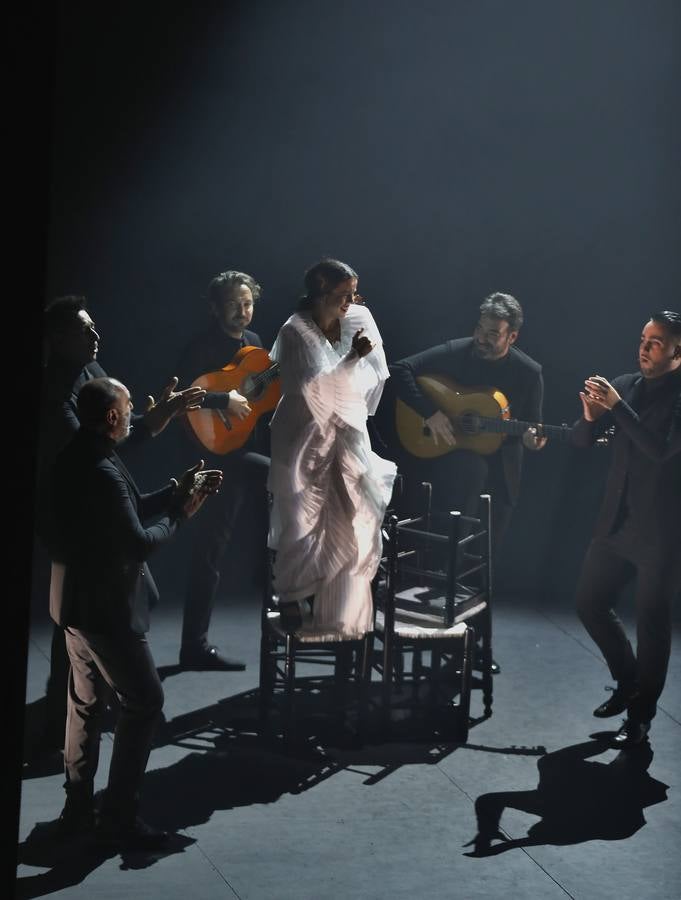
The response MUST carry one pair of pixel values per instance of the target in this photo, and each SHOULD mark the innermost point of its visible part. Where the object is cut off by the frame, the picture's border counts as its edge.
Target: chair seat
(427, 630)
(421, 608)
(308, 633)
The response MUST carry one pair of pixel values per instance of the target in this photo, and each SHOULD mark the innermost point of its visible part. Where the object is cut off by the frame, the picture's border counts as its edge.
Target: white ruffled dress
(329, 489)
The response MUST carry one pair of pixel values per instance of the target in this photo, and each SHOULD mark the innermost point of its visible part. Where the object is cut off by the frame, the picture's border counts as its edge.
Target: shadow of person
(70, 860)
(577, 799)
(43, 745)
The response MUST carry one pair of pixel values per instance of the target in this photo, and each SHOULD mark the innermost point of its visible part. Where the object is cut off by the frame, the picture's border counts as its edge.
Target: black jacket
(644, 481)
(517, 376)
(58, 425)
(101, 538)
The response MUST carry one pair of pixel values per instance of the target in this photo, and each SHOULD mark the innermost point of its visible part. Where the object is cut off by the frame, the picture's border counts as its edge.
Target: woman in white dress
(329, 489)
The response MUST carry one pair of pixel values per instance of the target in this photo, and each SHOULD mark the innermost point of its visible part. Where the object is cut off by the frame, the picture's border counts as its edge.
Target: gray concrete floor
(392, 819)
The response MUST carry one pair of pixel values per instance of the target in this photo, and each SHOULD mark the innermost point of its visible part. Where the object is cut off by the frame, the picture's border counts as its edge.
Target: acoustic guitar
(253, 374)
(480, 417)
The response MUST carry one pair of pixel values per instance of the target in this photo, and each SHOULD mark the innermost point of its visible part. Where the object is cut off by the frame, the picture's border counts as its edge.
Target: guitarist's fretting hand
(238, 405)
(533, 440)
(441, 428)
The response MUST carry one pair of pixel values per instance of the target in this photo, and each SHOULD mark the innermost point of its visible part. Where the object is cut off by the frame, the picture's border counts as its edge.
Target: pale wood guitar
(480, 417)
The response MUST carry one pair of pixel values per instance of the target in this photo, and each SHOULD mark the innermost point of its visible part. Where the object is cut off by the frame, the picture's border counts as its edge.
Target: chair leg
(466, 678)
(364, 679)
(435, 676)
(289, 690)
(387, 686)
(487, 678)
(398, 662)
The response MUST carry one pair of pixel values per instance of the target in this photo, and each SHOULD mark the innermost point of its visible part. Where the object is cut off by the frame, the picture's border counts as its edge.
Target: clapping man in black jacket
(104, 603)
(637, 534)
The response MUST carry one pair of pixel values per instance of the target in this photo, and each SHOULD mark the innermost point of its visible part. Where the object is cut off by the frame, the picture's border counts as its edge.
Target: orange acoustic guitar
(480, 417)
(253, 374)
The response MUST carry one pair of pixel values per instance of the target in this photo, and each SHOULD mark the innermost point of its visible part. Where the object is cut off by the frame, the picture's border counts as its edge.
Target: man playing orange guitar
(488, 359)
(231, 299)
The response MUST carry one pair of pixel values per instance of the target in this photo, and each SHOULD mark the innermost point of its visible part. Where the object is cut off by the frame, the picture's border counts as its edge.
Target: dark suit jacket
(517, 376)
(59, 423)
(101, 538)
(644, 481)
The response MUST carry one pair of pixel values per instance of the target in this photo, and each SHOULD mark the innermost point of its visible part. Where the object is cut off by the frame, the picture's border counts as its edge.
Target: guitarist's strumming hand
(238, 405)
(533, 440)
(441, 428)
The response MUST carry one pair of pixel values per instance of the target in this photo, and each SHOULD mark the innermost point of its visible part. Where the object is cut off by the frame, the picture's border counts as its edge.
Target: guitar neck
(514, 426)
(262, 379)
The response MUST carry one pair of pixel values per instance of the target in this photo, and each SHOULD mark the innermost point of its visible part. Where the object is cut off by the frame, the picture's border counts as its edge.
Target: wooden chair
(433, 597)
(283, 651)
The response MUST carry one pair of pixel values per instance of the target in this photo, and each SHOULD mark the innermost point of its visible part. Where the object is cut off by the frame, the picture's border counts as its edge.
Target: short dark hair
(671, 320)
(321, 276)
(503, 306)
(225, 282)
(61, 313)
(95, 399)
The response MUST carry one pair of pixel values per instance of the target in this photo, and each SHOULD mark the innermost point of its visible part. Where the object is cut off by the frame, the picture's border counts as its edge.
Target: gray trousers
(125, 663)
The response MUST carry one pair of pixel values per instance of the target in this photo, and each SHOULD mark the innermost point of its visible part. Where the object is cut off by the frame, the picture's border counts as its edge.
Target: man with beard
(488, 359)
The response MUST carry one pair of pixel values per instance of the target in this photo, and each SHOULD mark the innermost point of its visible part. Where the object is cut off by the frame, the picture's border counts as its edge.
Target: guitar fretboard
(260, 381)
(471, 423)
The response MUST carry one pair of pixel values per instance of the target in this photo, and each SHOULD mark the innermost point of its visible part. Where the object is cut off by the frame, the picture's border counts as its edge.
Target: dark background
(445, 149)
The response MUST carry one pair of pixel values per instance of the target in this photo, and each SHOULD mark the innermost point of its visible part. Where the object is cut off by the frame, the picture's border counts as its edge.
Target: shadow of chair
(433, 598)
(282, 653)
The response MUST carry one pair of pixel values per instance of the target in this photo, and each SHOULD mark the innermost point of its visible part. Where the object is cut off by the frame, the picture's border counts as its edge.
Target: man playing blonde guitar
(489, 359)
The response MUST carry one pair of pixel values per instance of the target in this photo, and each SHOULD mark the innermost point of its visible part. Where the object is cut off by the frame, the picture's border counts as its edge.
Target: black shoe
(290, 616)
(132, 836)
(75, 820)
(631, 734)
(479, 664)
(209, 658)
(622, 696)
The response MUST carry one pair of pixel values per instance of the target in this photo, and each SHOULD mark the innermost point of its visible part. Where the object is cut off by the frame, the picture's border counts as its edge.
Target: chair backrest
(435, 567)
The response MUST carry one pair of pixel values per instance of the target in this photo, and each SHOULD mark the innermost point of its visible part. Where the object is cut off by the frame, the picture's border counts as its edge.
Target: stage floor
(389, 820)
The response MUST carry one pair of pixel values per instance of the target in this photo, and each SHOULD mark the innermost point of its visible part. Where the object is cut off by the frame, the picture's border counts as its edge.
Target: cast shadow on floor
(577, 799)
(230, 761)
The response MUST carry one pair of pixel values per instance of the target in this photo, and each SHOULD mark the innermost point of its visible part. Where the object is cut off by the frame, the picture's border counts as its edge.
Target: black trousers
(124, 663)
(611, 563)
(240, 504)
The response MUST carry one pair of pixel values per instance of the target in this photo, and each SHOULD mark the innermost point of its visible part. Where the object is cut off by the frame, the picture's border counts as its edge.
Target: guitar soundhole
(427, 432)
